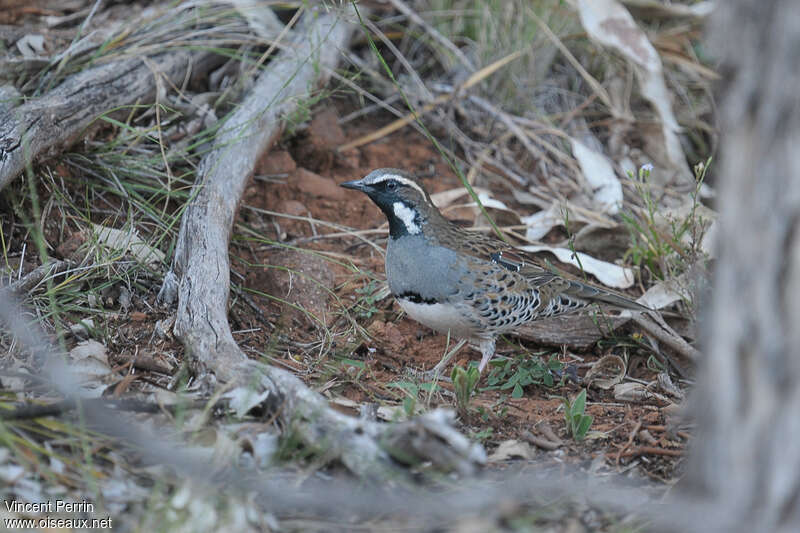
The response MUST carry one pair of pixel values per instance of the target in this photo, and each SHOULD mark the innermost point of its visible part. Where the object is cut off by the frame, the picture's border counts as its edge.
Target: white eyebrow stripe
(400, 179)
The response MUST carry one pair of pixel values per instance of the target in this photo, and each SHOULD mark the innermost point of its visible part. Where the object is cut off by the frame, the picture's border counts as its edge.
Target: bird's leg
(487, 351)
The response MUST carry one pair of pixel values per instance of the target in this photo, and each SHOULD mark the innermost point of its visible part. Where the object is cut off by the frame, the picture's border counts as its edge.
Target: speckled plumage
(470, 284)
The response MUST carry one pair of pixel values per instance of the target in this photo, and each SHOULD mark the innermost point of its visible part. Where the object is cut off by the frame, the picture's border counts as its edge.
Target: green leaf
(473, 376)
(405, 385)
(583, 426)
(428, 387)
(579, 403)
(464, 382)
(517, 392)
(408, 405)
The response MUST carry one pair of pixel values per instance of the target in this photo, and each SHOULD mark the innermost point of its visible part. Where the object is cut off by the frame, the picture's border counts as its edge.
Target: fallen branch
(58, 118)
(631, 436)
(135, 405)
(668, 337)
(574, 331)
(35, 276)
(202, 269)
(652, 450)
(541, 442)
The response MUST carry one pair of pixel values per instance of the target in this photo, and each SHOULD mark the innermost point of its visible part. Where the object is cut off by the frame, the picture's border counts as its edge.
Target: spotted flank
(503, 311)
(562, 304)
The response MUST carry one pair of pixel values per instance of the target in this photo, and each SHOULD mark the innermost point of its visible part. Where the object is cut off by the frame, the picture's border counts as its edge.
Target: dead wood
(573, 331)
(55, 120)
(35, 276)
(665, 334)
(581, 332)
(202, 269)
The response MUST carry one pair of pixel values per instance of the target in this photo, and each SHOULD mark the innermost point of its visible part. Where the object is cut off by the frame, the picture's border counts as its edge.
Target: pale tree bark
(747, 402)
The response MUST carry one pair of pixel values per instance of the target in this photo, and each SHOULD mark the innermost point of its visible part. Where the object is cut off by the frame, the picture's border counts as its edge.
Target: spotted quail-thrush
(473, 285)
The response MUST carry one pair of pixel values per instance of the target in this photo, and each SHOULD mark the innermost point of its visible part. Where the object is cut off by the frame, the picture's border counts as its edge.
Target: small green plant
(368, 298)
(524, 370)
(411, 393)
(665, 244)
(464, 382)
(482, 435)
(578, 423)
(360, 367)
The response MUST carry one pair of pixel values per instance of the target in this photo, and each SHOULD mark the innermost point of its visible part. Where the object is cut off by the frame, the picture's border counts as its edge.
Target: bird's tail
(596, 294)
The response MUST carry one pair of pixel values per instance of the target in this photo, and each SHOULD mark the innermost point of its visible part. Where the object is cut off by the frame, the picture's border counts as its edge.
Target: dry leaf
(600, 175)
(630, 392)
(90, 349)
(90, 362)
(512, 449)
(31, 45)
(606, 372)
(539, 224)
(242, 399)
(608, 274)
(128, 241)
(659, 8)
(610, 24)
(445, 198)
(663, 293)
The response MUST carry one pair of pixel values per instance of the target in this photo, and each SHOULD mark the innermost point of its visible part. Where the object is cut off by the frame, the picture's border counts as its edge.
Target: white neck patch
(407, 215)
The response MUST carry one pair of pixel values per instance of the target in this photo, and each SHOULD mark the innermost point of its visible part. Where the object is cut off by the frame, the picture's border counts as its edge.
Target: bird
(464, 283)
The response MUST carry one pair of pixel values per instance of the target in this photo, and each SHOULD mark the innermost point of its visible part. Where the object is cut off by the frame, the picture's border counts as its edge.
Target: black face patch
(415, 297)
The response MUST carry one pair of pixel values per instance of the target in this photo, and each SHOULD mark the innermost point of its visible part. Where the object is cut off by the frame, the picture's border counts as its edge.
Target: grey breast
(415, 266)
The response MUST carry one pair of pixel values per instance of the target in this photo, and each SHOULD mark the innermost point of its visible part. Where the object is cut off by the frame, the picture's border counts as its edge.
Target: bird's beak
(358, 185)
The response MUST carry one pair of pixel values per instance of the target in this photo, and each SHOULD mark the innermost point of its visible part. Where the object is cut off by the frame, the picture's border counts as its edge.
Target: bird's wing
(550, 284)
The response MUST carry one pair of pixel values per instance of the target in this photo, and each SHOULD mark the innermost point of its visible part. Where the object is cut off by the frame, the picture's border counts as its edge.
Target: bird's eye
(391, 185)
